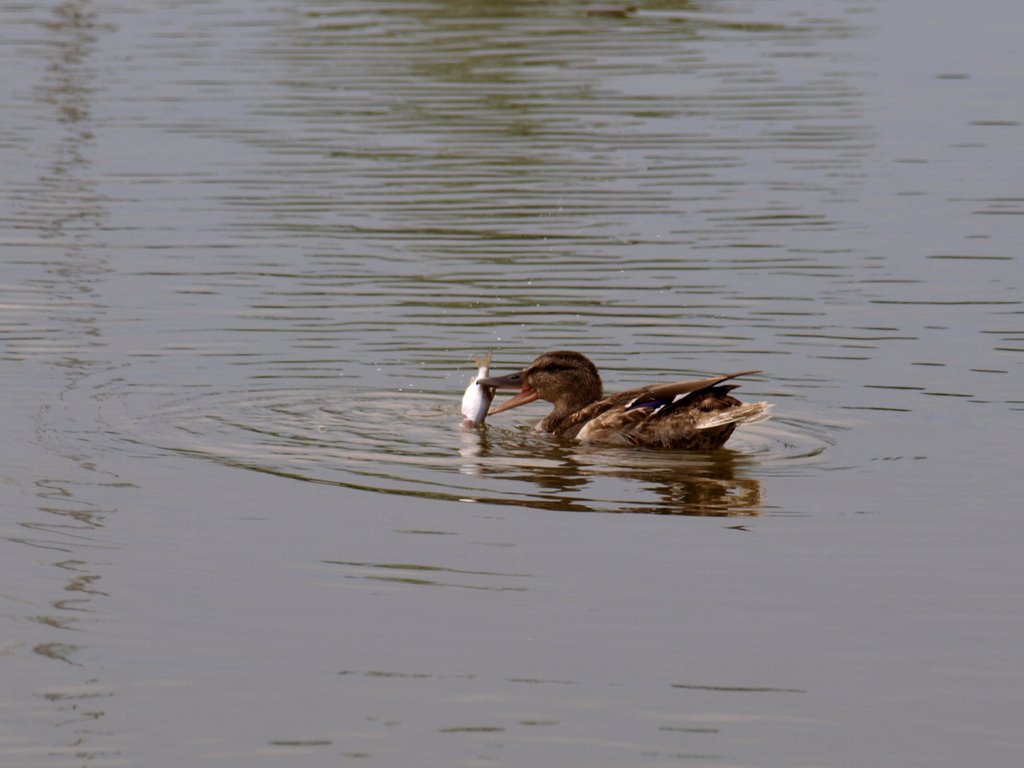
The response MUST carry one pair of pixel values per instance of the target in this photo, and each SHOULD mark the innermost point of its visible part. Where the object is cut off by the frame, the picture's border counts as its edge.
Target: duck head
(567, 379)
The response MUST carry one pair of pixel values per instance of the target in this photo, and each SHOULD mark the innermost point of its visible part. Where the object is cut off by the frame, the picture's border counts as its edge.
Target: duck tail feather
(748, 413)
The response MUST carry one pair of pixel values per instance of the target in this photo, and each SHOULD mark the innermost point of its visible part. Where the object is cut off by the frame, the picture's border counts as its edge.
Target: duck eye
(550, 368)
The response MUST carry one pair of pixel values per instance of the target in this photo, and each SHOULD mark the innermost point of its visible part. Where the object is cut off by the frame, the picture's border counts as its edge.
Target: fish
(477, 399)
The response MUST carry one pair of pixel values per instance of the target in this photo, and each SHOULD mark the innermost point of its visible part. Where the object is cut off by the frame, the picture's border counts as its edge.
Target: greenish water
(248, 252)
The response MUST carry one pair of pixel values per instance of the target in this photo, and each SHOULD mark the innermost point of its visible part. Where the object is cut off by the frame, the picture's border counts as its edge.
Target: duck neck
(564, 409)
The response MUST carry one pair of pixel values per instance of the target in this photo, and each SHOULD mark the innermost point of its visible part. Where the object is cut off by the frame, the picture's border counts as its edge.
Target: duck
(688, 415)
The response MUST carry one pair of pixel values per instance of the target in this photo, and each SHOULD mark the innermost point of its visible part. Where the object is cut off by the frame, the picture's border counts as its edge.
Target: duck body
(693, 415)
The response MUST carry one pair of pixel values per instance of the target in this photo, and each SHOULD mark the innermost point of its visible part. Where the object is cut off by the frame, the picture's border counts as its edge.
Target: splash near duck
(691, 415)
(477, 399)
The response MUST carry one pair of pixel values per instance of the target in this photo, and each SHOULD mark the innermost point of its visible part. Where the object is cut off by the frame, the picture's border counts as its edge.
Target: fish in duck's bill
(477, 399)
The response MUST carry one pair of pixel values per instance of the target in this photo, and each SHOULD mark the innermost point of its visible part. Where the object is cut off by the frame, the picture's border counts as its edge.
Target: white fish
(477, 399)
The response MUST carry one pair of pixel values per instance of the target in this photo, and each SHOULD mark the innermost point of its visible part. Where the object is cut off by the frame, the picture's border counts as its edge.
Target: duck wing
(623, 414)
(573, 423)
(661, 395)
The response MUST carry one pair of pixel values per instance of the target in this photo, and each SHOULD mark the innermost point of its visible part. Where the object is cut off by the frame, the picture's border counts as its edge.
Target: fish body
(477, 399)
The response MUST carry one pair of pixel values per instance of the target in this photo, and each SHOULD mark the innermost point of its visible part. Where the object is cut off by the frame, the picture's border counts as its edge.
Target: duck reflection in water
(532, 469)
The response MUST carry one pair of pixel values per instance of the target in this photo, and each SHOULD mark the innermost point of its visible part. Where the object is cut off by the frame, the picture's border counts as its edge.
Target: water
(249, 251)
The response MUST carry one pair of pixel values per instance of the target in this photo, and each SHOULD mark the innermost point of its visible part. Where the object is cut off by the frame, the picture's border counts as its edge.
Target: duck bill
(526, 395)
(512, 381)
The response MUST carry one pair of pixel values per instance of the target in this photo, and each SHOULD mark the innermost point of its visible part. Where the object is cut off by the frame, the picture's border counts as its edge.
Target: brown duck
(698, 415)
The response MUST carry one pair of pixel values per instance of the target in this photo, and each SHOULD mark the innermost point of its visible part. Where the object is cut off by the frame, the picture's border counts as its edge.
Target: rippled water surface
(248, 253)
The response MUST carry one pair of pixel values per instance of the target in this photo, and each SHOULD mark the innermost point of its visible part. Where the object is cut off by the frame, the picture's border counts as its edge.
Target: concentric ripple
(413, 444)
